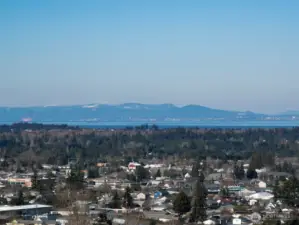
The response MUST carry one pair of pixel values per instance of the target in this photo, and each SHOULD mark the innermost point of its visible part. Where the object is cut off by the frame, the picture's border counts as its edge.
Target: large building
(35, 209)
(133, 165)
(26, 182)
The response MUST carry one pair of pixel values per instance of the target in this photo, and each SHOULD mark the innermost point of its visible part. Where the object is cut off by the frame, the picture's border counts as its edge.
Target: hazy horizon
(231, 55)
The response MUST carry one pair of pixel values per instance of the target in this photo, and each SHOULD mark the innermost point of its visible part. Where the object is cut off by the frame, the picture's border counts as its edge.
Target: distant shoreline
(165, 125)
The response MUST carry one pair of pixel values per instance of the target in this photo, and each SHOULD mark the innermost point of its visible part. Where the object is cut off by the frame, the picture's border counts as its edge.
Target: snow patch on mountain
(90, 106)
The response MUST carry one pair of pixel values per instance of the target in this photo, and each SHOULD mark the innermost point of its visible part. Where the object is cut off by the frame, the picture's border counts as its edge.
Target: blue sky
(241, 55)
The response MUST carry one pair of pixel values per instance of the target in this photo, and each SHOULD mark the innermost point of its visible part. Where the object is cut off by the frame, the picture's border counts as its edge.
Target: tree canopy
(128, 199)
(53, 144)
(181, 204)
(199, 206)
(287, 191)
(116, 201)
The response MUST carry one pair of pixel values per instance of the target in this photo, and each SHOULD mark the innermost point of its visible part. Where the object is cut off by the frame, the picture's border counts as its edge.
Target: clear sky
(241, 55)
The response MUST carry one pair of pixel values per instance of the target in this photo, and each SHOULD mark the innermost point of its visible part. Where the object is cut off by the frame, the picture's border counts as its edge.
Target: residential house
(141, 196)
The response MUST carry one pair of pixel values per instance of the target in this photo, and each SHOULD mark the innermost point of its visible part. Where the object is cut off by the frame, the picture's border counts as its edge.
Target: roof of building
(7, 208)
(49, 222)
(214, 176)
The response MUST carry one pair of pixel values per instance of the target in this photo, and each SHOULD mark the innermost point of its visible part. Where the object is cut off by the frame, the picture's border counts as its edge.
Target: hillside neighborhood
(209, 192)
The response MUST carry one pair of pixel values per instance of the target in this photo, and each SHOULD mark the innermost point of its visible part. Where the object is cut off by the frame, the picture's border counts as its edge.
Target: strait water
(200, 124)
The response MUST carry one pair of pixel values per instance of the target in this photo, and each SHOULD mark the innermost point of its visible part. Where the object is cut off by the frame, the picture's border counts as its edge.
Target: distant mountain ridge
(126, 112)
(290, 113)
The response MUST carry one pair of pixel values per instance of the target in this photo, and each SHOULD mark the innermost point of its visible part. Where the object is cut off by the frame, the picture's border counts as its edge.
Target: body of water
(201, 124)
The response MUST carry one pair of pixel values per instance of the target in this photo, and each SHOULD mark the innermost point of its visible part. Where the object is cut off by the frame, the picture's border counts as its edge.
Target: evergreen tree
(203, 166)
(158, 174)
(141, 173)
(105, 188)
(251, 174)
(287, 167)
(256, 161)
(115, 202)
(128, 199)
(268, 159)
(75, 179)
(239, 172)
(20, 198)
(198, 211)
(153, 222)
(50, 175)
(181, 204)
(35, 184)
(195, 170)
(290, 191)
(51, 185)
(261, 159)
(193, 145)
(276, 190)
(93, 172)
(148, 202)
(278, 168)
(294, 222)
(236, 170)
(18, 167)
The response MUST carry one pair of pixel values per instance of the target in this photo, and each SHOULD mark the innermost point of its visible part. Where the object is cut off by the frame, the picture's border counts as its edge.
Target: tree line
(54, 144)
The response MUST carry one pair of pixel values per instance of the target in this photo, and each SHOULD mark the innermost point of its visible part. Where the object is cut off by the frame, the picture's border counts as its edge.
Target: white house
(262, 184)
(154, 166)
(261, 196)
(187, 175)
(141, 196)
